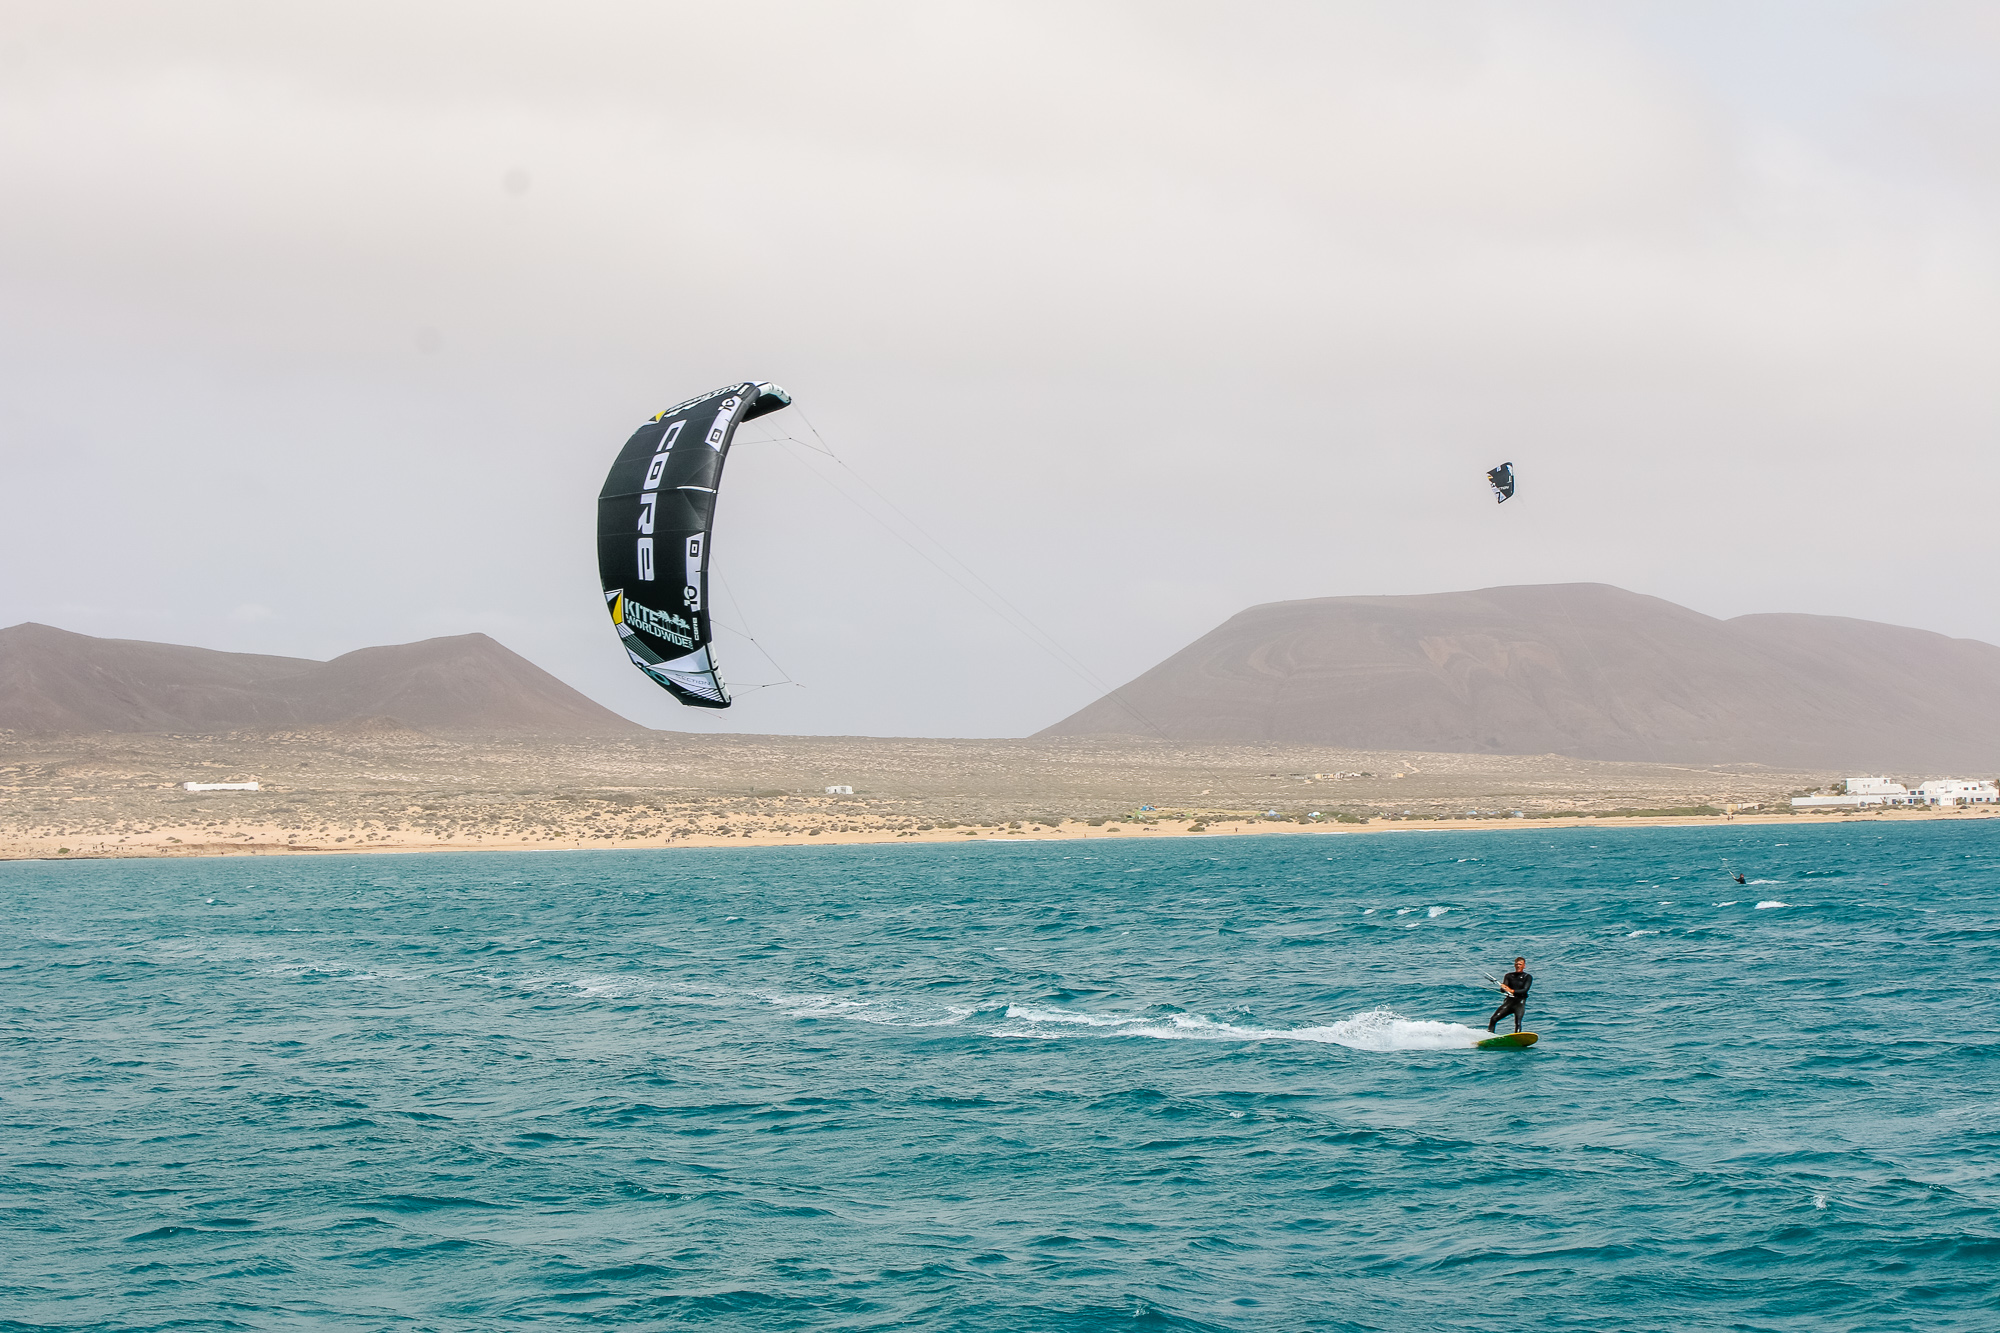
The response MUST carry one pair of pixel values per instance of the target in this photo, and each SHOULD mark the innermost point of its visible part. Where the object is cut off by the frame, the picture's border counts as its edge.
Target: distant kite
(653, 522)
(1501, 479)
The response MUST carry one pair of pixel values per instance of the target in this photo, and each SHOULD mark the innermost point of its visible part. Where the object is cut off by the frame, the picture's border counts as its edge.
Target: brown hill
(1580, 669)
(53, 680)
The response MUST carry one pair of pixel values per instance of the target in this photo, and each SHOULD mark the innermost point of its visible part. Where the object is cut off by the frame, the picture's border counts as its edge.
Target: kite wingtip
(766, 397)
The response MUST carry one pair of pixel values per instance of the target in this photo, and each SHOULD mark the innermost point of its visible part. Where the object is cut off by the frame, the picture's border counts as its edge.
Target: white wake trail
(1381, 1029)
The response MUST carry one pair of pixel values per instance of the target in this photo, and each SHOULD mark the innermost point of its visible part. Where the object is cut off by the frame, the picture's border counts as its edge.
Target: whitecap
(1437, 912)
(882, 1013)
(1771, 902)
(1763, 881)
(815, 1006)
(1072, 1016)
(1635, 934)
(1731, 903)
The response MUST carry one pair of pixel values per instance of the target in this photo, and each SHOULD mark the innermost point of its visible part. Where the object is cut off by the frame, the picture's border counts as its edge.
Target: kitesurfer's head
(1520, 963)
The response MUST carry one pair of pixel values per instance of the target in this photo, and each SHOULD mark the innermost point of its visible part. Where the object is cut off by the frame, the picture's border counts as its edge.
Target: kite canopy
(1501, 479)
(654, 517)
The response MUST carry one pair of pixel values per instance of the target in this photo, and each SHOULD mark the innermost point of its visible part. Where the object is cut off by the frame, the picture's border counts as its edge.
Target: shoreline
(274, 842)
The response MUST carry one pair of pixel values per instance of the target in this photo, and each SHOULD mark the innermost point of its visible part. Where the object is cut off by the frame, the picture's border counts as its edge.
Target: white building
(1880, 791)
(840, 791)
(1957, 791)
(1860, 791)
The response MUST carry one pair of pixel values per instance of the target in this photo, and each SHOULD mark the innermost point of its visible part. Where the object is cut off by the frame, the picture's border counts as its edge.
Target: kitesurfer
(1740, 879)
(1516, 985)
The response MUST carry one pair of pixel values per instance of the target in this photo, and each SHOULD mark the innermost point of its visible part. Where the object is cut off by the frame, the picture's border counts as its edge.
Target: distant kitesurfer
(1516, 985)
(1740, 879)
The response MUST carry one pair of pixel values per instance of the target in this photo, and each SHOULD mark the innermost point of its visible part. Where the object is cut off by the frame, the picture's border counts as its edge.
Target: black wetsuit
(1515, 1004)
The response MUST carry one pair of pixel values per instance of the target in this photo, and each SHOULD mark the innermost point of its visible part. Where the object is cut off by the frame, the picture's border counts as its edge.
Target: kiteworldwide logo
(659, 624)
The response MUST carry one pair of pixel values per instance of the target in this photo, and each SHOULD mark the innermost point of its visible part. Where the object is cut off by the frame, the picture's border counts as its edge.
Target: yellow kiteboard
(1511, 1041)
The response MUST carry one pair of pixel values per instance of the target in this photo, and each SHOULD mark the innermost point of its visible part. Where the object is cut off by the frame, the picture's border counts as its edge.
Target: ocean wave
(1769, 903)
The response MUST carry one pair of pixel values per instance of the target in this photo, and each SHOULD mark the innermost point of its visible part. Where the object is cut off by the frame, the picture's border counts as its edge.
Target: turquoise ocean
(1160, 1084)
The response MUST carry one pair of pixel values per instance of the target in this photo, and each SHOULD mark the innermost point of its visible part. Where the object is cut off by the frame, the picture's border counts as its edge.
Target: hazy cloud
(1148, 311)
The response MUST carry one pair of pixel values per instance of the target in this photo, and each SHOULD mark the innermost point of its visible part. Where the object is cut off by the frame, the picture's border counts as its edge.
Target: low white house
(1860, 791)
(840, 791)
(1880, 791)
(1958, 791)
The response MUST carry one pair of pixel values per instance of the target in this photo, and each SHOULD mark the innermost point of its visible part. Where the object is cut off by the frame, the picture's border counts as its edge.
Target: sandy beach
(390, 789)
(275, 841)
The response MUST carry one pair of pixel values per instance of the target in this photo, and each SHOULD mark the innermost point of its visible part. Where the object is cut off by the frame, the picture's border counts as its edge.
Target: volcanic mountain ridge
(1583, 670)
(52, 680)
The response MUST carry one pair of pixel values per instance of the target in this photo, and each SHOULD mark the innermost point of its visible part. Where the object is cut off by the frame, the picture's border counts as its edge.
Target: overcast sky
(320, 324)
